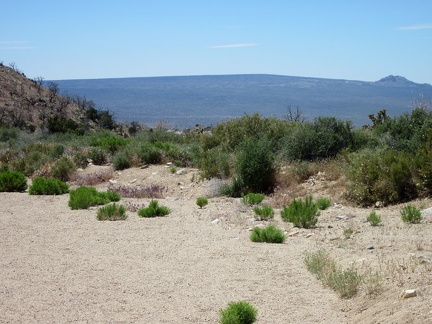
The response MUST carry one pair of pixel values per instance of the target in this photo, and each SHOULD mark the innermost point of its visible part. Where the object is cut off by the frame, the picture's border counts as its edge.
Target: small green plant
(83, 197)
(411, 214)
(12, 181)
(264, 212)
(44, 186)
(320, 263)
(374, 219)
(301, 214)
(323, 203)
(269, 234)
(348, 231)
(154, 210)
(201, 202)
(238, 313)
(253, 198)
(173, 169)
(112, 212)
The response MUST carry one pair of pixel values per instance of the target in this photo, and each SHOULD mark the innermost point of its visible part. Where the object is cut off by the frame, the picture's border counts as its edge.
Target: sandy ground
(62, 265)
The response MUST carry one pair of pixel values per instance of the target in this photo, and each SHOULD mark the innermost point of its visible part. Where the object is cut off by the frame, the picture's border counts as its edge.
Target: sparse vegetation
(323, 203)
(301, 213)
(111, 212)
(238, 313)
(201, 201)
(253, 198)
(264, 212)
(411, 214)
(269, 234)
(154, 210)
(374, 219)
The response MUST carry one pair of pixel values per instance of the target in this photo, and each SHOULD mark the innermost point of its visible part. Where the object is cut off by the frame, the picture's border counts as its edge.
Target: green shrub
(112, 212)
(255, 165)
(323, 203)
(214, 163)
(121, 161)
(201, 201)
(12, 181)
(109, 142)
(98, 156)
(149, 154)
(374, 219)
(385, 176)
(269, 234)
(44, 186)
(63, 168)
(301, 214)
(154, 210)
(264, 212)
(238, 313)
(345, 282)
(253, 198)
(83, 197)
(411, 214)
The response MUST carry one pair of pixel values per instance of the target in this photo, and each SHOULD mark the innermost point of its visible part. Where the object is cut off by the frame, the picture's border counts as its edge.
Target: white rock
(181, 171)
(426, 212)
(134, 180)
(216, 221)
(408, 293)
(112, 181)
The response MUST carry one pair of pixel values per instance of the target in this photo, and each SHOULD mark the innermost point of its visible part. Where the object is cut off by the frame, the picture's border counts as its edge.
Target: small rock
(408, 294)
(309, 235)
(329, 226)
(180, 184)
(216, 221)
(169, 164)
(293, 233)
(80, 169)
(424, 260)
(379, 204)
(112, 181)
(181, 171)
(370, 247)
(342, 217)
(426, 212)
(133, 181)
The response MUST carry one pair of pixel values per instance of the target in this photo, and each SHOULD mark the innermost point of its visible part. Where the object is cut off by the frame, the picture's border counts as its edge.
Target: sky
(90, 39)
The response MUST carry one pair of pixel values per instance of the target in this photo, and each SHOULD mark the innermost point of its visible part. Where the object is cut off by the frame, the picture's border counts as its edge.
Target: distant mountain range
(184, 101)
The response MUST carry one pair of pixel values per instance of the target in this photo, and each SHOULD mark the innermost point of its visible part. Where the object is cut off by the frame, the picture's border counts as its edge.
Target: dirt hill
(28, 104)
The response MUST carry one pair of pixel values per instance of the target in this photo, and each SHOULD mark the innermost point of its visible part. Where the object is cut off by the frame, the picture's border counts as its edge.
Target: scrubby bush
(320, 263)
(374, 219)
(63, 168)
(301, 213)
(12, 181)
(323, 203)
(411, 214)
(253, 198)
(98, 156)
(269, 234)
(201, 201)
(154, 210)
(215, 163)
(111, 212)
(238, 313)
(322, 138)
(83, 197)
(264, 212)
(149, 154)
(44, 186)
(109, 142)
(255, 168)
(385, 176)
(121, 161)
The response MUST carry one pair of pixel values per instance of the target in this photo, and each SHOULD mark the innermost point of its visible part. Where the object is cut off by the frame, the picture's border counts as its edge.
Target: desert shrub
(91, 179)
(323, 203)
(201, 201)
(411, 214)
(325, 137)
(215, 163)
(149, 154)
(423, 165)
(121, 161)
(109, 142)
(238, 313)
(269, 234)
(151, 191)
(98, 156)
(58, 124)
(83, 197)
(253, 198)
(264, 212)
(63, 168)
(233, 189)
(8, 134)
(255, 166)
(154, 210)
(345, 282)
(301, 213)
(228, 135)
(44, 186)
(320, 263)
(12, 181)
(303, 170)
(111, 212)
(385, 176)
(374, 219)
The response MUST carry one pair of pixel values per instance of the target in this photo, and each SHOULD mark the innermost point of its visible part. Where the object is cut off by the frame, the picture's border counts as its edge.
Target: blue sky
(350, 39)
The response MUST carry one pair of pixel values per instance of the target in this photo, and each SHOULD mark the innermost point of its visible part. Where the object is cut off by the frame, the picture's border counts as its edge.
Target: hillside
(185, 101)
(27, 104)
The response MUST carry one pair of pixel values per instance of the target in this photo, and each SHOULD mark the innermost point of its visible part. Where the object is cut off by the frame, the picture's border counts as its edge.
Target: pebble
(408, 294)
(370, 247)
(216, 221)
